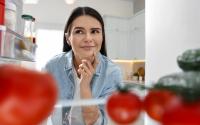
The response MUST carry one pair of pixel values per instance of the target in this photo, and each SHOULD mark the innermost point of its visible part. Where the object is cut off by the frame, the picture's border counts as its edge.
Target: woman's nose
(88, 36)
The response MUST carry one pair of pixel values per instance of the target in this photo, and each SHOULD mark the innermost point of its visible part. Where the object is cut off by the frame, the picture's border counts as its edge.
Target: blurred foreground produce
(175, 98)
(183, 113)
(124, 107)
(182, 106)
(157, 101)
(27, 96)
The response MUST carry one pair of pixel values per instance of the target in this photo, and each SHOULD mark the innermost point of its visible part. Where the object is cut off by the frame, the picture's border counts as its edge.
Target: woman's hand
(87, 69)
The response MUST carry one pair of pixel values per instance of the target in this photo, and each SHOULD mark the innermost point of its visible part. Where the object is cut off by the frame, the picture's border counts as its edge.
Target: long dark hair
(80, 11)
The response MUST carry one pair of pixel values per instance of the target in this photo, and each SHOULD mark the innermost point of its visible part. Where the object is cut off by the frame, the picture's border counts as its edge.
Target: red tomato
(123, 107)
(27, 97)
(182, 114)
(156, 102)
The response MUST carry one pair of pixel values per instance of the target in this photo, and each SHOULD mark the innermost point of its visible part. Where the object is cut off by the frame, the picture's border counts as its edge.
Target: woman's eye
(95, 31)
(78, 32)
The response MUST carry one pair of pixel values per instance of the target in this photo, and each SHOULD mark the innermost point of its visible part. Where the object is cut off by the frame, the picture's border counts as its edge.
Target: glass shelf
(15, 46)
(57, 116)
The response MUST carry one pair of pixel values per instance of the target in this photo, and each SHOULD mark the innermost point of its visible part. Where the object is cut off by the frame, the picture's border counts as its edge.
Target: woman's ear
(67, 39)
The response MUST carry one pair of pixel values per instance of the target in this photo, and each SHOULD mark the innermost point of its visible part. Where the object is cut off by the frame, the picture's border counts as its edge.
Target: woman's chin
(88, 57)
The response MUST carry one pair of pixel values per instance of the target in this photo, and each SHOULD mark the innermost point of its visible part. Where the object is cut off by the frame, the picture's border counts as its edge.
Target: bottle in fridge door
(29, 27)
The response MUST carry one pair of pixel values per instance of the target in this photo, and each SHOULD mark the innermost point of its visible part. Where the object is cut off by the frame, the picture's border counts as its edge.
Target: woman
(83, 71)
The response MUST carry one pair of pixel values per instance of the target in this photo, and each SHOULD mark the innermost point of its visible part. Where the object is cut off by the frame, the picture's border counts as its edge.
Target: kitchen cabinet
(136, 42)
(125, 37)
(116, 40)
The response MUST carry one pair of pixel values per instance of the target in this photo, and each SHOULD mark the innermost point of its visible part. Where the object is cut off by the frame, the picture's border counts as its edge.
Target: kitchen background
(124, 27)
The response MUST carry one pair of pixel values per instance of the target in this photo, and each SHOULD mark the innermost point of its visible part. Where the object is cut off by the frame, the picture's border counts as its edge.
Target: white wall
(49, 44)
(172, 26)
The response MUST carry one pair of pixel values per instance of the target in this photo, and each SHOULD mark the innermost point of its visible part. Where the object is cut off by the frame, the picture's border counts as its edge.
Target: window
(49, 43)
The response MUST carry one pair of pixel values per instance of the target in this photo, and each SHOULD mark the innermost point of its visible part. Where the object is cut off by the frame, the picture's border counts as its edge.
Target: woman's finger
(85, 68)
(82, 72)
(89, 65)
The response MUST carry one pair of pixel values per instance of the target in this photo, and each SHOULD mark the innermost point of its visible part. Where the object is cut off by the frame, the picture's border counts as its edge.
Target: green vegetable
(186, 84)
(189, 60)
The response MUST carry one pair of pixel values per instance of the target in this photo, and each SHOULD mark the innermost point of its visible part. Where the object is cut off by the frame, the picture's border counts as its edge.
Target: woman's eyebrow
(78, 28)
(96, 28)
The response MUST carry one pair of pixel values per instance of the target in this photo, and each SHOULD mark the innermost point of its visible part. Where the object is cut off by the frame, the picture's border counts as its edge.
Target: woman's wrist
(85, 84)
(85, 91)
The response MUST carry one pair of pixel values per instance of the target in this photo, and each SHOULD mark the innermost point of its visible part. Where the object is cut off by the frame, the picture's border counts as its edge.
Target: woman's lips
(87, 47)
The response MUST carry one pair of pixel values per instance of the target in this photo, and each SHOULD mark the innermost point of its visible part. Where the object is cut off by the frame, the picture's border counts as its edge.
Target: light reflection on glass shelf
(67, 103)
(56, 117)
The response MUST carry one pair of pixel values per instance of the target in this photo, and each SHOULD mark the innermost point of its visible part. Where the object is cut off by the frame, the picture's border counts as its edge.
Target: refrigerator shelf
(15, 46)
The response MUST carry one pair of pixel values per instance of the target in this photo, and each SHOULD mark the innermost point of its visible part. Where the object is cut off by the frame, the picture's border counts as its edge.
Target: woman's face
(85, 37)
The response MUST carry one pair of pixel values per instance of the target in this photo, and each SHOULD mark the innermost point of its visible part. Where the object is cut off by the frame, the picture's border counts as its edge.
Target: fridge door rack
(15, 46)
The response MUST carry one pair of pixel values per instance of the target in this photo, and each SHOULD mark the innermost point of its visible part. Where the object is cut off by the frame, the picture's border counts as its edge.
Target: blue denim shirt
(104, 82)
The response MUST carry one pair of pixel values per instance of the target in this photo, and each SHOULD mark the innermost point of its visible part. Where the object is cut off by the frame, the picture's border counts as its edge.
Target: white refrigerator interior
(172, 26)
